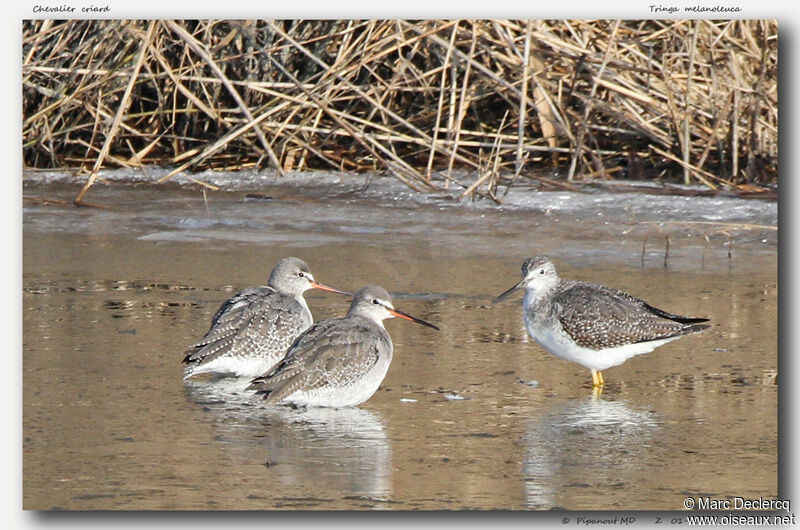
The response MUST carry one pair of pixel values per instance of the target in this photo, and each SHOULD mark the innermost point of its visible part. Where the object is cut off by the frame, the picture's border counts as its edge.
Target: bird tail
(273, 387)
(691, 320)
(698, 327)
(676, 318)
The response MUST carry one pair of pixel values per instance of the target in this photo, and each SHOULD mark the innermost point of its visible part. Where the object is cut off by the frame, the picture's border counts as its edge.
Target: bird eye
(541, 271)
(301, 274)
(375, 301)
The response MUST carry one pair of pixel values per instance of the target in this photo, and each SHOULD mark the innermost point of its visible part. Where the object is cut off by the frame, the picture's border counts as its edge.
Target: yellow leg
(597, 378)
(600, 378)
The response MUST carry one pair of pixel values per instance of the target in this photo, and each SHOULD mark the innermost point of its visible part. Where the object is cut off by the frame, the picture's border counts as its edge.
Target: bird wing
(333, 352)
(606, 318)
(233, 306)
(253, 321)
(656, 311)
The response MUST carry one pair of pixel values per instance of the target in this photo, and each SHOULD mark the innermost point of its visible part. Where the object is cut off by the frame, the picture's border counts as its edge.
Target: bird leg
(597, 378)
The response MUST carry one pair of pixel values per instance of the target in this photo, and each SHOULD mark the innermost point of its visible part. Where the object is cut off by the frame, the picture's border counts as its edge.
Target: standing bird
(252, 330)
(339, 362)
(592, 325)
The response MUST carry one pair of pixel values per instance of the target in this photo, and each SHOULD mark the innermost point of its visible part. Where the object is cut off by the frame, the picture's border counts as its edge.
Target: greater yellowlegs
(592, 325)
(251, 331)
(338, 362)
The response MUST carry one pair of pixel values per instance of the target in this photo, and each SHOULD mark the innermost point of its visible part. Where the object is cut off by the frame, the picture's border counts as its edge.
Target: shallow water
(475, 416)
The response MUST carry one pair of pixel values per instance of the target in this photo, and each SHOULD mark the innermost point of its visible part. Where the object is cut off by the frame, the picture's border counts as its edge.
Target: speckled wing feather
(253, 323)
(600, 317)
(632, 299)
(232, 307)
(333, 353)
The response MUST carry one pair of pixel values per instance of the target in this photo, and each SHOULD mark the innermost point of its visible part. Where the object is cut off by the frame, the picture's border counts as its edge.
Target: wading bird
(251, 331)
(338, 362)
(592, 325)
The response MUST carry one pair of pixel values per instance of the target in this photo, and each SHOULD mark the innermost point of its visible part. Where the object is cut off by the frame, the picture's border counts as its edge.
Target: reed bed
(684, 100)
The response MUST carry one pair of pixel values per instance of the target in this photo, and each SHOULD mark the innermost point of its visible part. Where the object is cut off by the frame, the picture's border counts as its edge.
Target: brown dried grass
(694, 100)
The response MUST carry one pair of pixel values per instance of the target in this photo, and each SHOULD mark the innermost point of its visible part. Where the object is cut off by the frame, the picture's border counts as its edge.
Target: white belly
(557, 342)
(234, 366)
(349, 396)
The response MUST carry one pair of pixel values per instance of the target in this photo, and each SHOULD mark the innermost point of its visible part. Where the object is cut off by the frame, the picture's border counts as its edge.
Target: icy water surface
(473, 417)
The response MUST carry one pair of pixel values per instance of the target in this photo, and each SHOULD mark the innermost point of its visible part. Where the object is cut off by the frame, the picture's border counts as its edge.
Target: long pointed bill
(317, 285)
(509, 291)
(406, 316)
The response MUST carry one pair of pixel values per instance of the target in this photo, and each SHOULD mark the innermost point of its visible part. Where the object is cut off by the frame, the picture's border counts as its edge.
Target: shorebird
(338, 362)
(593, 325)
(252, 330)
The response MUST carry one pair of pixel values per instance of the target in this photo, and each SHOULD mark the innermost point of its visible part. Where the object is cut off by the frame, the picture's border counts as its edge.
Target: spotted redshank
(593, 325)
(338, 362)
(251, 331)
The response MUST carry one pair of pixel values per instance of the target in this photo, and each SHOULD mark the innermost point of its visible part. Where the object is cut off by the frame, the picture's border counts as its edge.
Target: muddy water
(473, 417)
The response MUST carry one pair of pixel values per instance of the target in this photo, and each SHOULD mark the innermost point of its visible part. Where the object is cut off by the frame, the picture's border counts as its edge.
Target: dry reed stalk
(462, 106)
(523, 100)
(442, 92)
(365, 141)
(703, 176)
(360, 92)
(118, 117)
(588, 107)
(200, 50)
(494, 156)
(214, 147)
(62, 202)
(686, 107)
(705, 92)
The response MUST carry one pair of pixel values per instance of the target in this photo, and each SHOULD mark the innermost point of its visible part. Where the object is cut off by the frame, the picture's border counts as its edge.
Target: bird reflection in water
(304, 454)
(582, 442)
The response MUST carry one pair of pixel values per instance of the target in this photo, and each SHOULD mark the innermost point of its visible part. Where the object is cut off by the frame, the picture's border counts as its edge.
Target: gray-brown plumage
(593, 325)
(338, 362)
(597, 318)
(252, 330)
